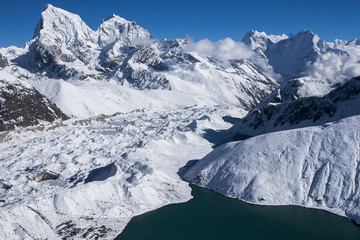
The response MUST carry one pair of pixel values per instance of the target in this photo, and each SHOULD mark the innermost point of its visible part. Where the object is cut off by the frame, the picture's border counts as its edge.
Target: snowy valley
(95, 125)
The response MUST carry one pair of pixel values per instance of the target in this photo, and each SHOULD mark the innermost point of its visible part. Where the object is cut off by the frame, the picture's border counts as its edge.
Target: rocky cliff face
(302, 102)
(21, 105)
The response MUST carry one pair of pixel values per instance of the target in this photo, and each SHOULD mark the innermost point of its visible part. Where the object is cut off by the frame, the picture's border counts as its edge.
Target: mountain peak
(260, 40)
(117, 28)
(48, 6)
(57, 26)
(115, 18)
(304, 34)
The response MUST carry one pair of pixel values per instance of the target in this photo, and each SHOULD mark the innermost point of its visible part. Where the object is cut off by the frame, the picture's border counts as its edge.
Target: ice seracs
(111, 169)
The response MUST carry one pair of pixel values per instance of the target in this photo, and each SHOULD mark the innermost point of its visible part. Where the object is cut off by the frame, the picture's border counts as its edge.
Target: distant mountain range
(120, 52)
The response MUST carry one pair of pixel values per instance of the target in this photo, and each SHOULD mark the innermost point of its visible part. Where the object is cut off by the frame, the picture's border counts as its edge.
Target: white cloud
(226, 49)
(332, 67)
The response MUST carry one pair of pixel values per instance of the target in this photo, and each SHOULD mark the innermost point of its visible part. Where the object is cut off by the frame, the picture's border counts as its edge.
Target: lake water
(212, 216)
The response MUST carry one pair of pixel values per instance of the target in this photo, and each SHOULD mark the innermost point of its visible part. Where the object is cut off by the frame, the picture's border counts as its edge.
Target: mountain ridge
(65, 48)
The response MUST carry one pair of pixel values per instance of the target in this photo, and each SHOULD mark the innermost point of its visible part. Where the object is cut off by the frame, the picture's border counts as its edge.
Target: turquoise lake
(212, 216)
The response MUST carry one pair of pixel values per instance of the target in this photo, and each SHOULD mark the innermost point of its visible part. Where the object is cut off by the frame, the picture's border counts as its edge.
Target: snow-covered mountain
(290, 56)
(299, 103)
(123, 58)
(316, 167)
(259, 41)
(147, 108)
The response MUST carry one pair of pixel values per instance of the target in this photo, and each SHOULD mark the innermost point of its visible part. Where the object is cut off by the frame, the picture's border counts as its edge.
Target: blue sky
(198, 19)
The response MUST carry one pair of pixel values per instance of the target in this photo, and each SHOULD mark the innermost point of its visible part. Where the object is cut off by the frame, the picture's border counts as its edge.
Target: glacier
(111, 168)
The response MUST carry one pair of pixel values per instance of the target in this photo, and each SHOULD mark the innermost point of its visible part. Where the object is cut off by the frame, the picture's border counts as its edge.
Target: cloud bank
(333, 67)
(226, 49)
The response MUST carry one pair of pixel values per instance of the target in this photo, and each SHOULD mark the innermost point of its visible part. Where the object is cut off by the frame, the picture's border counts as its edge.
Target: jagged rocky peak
(3, 61)
(166, 45)
(116, 28)
(59, 25)
(60, 37)
(260, 40)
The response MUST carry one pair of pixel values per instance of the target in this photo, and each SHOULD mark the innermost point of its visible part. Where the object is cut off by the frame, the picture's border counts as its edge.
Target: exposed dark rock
(61, 71)
(45, 175)
(286, 109)
(348, 91)
(113, 63)
(3, 61)
(67, 58)
(143, 79)
(41, 56)
(312, 108)
(150, 58)
(4, 185)
(24, 106)
(173, 52)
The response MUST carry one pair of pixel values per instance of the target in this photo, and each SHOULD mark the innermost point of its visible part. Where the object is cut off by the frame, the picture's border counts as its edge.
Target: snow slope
(316, 167)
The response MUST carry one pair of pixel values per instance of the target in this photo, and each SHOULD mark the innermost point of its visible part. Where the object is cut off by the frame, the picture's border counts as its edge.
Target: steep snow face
(301, 102)
(315, 167)
(62, 26)
(116, 28)
(22, 105)
(290, 56)
(108, 169)
(61, 36)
